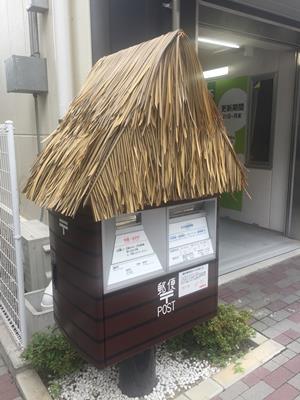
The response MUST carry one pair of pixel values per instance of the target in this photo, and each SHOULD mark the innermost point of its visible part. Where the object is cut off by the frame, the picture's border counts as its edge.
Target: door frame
(249, 21)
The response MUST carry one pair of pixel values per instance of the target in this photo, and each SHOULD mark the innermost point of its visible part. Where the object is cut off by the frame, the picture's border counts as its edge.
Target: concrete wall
(268, 188)
(19, 108)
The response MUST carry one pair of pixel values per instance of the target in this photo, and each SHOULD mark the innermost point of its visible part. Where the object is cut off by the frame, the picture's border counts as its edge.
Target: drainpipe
(35, 52)
(63, 54)
(64, 78)
(175, 15)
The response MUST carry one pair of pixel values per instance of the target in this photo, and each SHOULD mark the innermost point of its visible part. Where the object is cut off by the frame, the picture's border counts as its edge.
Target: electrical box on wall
(26, 75)
(39, 6)
(124, 284)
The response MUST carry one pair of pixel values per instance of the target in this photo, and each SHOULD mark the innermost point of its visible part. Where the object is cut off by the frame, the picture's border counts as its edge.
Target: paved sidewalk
(8, 390)
(273, 295)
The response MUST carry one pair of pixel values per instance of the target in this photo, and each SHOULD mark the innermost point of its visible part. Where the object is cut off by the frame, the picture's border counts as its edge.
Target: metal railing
(12, 305)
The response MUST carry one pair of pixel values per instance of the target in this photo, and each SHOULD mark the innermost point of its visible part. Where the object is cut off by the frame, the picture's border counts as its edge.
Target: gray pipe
(176, 14)
(33, 34)
(35, 52)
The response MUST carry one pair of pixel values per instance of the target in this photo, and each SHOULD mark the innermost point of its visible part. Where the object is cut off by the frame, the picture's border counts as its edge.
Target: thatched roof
(143, 130)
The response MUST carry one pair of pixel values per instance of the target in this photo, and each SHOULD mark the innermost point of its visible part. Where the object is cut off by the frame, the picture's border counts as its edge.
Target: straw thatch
(143, 131)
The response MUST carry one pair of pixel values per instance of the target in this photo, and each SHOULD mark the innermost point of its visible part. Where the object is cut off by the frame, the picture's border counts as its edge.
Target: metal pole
(137, 375)
(33, 34)
(9, 128)
(176, 14)
(293, 154)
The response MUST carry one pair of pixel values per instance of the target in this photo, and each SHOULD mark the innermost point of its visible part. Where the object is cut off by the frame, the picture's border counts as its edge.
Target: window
(261, 121)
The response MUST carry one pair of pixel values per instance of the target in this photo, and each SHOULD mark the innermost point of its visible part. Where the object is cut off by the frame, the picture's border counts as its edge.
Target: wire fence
(12, 307)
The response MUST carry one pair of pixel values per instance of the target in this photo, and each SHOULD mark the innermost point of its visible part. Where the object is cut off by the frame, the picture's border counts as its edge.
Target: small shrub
(218, 339)
(51, 354)
(224, 334)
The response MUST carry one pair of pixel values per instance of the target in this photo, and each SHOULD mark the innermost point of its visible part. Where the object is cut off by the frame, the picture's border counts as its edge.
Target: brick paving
(273, 296)
(8, 389)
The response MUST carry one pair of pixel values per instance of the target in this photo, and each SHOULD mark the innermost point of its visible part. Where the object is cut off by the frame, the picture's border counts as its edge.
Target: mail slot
(124, 284)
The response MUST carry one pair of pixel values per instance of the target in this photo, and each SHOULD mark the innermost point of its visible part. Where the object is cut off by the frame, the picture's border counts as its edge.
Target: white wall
(268, 188)
(20, 107)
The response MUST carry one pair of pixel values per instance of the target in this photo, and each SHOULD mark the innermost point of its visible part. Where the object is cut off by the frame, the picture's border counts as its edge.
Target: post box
(124, 284)
(131, 178)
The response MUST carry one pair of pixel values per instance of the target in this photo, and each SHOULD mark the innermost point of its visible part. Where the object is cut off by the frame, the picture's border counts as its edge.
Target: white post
(17, 231)
(63, 54)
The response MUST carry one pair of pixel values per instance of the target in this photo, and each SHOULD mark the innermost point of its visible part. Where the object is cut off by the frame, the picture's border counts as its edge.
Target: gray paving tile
(288, 353)
(258, 391)
(280, 359)
(241, 303)
(295, 381)
(1, 362)
(269, 321)
(285, 325)
(291, 298)
(280, 315)
(274, 297)
(271, 332)
(284, 283)
(294, 346)
(259, 326)
(271, 365)
(261, 303)
(233, 391)
(261, 313)
(254, 295)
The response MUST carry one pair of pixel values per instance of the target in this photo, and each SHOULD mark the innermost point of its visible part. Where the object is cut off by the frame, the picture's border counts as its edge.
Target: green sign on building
(231, 96)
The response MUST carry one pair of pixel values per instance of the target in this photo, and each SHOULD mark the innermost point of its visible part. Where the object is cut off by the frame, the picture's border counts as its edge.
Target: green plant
(238, 368)
(54, 389)
(224, 334)
(51, 354)
(222, 337)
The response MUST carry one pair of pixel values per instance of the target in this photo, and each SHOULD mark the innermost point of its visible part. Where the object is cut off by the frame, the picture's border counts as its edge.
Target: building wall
(19, 108)
(286, 8)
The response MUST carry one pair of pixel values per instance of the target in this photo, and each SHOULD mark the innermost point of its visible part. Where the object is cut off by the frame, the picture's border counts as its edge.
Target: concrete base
(37, 319)
(36, 254)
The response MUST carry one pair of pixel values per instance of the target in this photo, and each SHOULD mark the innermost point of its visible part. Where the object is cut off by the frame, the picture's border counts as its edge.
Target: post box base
(137, 375)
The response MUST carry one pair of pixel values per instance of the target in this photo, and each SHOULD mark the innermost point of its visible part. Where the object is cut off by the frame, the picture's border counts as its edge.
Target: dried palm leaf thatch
(143, 131)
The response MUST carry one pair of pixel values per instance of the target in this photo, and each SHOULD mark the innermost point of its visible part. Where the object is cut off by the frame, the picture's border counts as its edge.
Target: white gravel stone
(175, 374)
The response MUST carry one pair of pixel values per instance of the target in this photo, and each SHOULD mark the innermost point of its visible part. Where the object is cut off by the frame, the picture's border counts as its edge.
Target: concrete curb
(208, 389)
(31, 387)
(10, 352)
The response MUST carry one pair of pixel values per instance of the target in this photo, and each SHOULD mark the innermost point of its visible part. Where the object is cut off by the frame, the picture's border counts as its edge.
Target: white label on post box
(189, 240)
(190, 252)
(133, 256)
(131, 245)
(188, 231)
(192, 280)
(134, 268)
